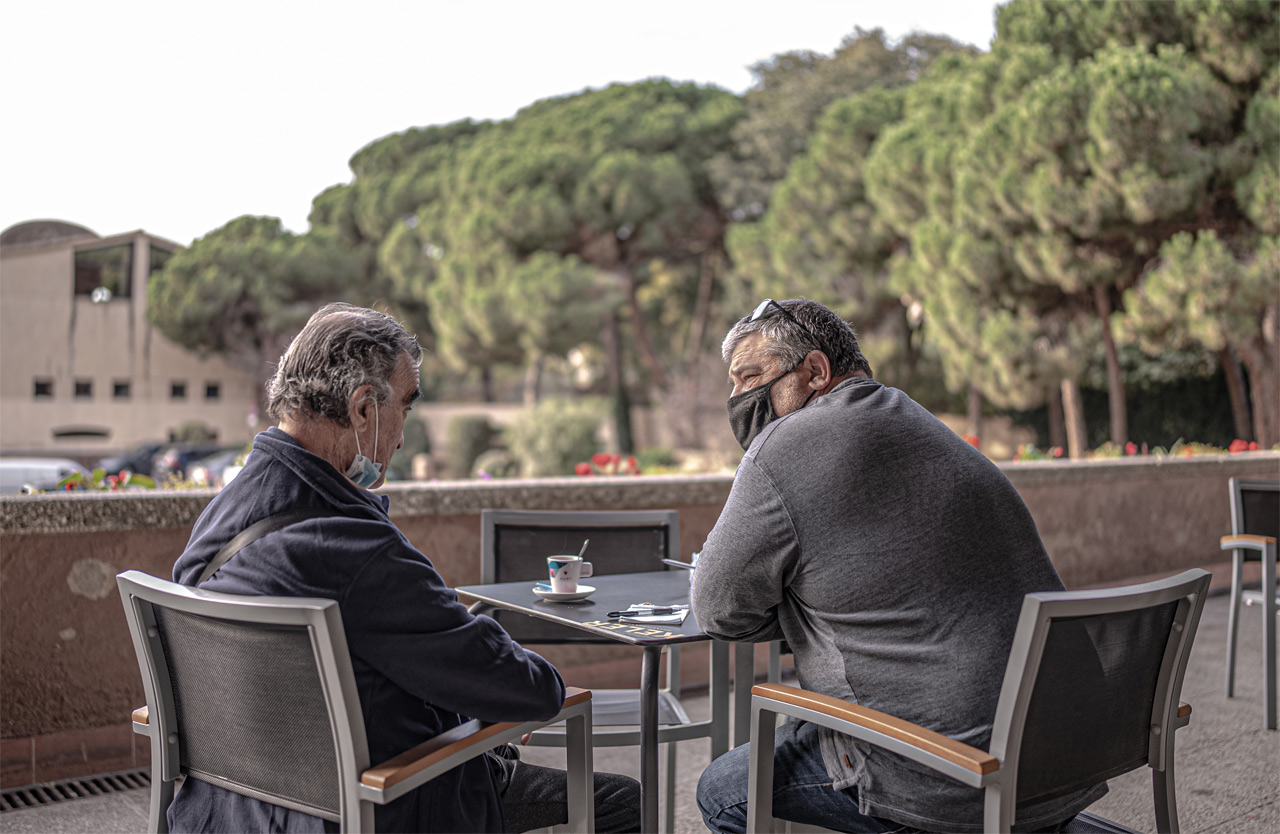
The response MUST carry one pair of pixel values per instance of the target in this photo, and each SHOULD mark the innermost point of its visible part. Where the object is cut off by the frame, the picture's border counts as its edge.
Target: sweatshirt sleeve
(405, 622)
(746, 562)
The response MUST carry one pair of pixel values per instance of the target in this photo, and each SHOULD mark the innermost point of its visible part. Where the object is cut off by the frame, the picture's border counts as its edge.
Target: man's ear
(360, 406)
(819, 367)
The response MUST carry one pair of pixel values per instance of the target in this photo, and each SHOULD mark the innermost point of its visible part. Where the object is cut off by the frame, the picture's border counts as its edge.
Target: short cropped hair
(826, 332)
(341, 348)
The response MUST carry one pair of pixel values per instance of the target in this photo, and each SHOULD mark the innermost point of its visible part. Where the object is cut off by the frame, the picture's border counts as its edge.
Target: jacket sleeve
(402, 619)
(746, 563)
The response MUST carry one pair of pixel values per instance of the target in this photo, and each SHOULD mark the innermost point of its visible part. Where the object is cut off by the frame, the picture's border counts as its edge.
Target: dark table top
(613, 593)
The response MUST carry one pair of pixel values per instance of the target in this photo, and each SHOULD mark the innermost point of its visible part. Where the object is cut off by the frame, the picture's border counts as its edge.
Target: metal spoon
(584, 548)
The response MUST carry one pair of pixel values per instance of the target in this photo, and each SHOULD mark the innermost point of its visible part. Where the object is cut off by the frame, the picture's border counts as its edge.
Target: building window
(177, 390)
(44, 388)
(84, 389)
(159, 257)
(212, 391)
(103, 274)
(120, 389)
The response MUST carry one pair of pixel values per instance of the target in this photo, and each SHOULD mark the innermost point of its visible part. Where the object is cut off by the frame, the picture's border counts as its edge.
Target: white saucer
(583, 592)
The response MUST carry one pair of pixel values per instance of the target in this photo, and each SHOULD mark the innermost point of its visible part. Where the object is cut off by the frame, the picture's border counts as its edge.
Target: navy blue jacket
(422, 663)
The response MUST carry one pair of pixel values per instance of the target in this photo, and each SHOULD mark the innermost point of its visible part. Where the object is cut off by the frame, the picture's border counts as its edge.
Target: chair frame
(1243, 547)
(996, 771)
(360, 786)
(716, 728)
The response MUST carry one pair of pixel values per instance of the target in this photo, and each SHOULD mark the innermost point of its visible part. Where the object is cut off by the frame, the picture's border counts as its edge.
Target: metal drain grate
(46, 793)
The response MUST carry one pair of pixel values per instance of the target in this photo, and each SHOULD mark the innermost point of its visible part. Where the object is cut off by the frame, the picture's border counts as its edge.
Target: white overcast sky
(176, 117)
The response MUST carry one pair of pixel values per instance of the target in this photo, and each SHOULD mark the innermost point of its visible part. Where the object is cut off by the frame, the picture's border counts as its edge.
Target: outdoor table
(616, 593)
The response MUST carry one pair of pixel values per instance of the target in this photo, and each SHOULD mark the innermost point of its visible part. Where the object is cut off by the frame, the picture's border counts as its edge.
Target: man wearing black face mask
(889, 553)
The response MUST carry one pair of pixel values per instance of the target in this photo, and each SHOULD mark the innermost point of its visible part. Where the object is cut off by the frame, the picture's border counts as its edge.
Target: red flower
(602, 459)
(582, 469)
(1131, 448)
(1056, 451)
(972, 440)
(1253, 445)
(1238, 445)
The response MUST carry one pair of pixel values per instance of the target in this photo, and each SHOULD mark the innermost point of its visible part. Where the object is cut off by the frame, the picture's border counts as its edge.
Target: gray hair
(790, 342)
(341, 348)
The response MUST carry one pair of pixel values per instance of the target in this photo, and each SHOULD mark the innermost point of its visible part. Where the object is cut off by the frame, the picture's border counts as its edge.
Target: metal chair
(256, 695)
(1090, 692)
(515, 545)
(1255, 526)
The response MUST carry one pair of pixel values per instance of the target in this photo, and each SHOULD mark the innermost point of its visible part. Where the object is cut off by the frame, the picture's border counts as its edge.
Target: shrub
(496, 463)
(549, 439)
(469, 437)
(417, 441)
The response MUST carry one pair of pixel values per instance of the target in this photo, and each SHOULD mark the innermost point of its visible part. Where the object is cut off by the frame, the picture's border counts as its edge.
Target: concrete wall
(69, 677)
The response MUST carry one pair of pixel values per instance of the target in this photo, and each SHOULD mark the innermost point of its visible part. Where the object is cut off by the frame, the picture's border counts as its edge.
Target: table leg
(649, 739)
(1269, 634)
(744, 677)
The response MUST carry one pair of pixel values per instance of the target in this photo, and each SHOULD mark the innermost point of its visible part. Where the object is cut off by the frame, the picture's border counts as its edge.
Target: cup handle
(586, 570)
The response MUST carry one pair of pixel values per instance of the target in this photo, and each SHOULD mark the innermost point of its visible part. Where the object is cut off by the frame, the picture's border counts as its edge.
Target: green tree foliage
(517, 237)
(243, 290)
(1037, 182)
(549, 439)
(790, 93)
(1201, 292)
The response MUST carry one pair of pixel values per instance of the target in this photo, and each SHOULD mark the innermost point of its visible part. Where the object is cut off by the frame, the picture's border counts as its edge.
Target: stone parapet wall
(67, 667)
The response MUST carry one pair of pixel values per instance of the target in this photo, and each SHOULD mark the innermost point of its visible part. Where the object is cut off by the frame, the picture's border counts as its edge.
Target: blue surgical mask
(362, 471)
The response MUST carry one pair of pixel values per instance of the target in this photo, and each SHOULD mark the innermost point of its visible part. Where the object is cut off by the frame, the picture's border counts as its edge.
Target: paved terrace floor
(1227, 764)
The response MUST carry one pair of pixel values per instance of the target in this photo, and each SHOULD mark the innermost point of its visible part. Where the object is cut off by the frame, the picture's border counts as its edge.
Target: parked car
(140, 459)
(35, 474)
(175, 459)
(212, 470)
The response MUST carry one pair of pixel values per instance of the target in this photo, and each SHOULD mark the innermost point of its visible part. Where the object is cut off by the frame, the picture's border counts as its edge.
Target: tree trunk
(533, 379)
(647, 356)
(486, 384)
(701, 312)
(617, 383)
(1073, 410)
(1057, 427)
(1263, 365)
(974, 410)
(1115, 376)
(1235, 392)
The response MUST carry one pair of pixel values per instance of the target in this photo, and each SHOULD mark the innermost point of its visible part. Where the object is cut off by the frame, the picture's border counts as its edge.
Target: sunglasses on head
(769, 307)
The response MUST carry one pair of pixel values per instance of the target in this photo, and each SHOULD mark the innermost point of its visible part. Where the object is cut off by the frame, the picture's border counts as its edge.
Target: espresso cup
(565, 571)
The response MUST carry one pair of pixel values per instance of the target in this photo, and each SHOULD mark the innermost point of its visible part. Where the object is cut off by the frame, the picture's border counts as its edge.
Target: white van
(43, 472)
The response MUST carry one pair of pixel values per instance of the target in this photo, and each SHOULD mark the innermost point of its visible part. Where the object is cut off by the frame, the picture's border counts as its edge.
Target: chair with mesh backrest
(1255, 526)
(256, 695)
(1090, 692)
(515, 545)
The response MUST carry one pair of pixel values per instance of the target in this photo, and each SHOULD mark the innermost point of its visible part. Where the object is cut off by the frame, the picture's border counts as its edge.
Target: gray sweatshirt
(893, 557)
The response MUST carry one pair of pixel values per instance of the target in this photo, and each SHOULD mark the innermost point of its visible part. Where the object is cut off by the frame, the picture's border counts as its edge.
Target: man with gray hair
(423, 664)
(892, 557)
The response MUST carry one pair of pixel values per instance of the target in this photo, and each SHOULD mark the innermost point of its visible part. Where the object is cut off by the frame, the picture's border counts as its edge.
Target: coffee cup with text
(565, 571)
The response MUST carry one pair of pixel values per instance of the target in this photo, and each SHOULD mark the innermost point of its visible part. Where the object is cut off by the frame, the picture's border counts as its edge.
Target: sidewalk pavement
(1227, 764)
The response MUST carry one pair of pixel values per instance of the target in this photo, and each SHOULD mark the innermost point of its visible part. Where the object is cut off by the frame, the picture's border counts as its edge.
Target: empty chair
(1255, 526)
(515, 546)
(256, 695)
(1090, 692)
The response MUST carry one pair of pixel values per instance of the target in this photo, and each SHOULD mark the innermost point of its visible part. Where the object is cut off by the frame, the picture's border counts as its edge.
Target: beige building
(82, 371)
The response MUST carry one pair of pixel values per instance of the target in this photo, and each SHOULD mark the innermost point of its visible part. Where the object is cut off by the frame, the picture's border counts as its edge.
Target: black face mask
(751, 411)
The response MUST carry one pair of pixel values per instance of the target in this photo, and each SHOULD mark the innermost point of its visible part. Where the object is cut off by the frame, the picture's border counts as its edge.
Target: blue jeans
(801, 788)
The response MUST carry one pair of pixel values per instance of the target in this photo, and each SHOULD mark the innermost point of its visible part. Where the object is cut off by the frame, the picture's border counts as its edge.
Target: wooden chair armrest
(142, 715)
(1184, 709)
(1245, 540)
(472, 734)
(925, 740)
